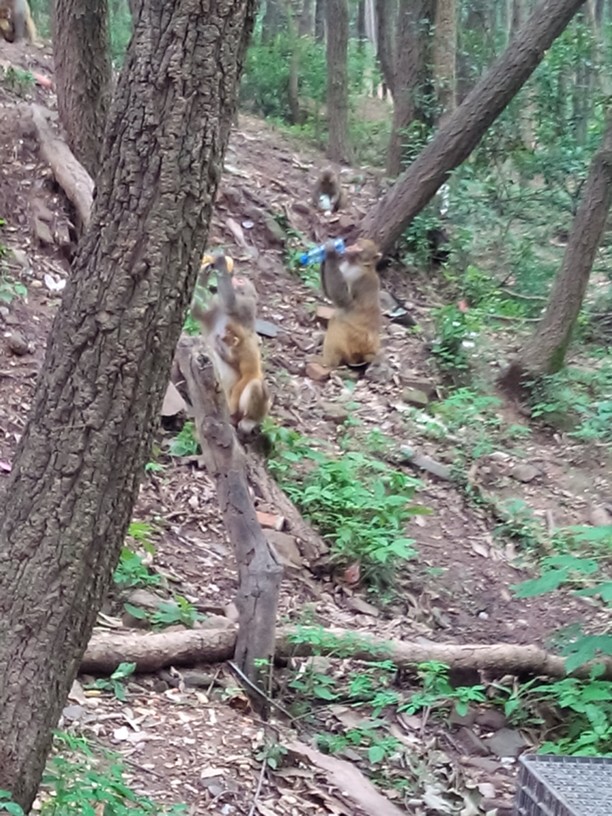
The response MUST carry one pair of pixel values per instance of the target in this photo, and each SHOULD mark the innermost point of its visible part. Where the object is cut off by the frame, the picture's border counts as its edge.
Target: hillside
(190, 736)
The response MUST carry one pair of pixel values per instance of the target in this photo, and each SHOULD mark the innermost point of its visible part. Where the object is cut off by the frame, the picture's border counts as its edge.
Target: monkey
(328, 195)
(229, 327)
(16, 21)
(351, 282)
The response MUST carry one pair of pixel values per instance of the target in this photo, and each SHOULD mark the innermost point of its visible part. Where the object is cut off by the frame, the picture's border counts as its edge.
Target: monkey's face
(362, 252)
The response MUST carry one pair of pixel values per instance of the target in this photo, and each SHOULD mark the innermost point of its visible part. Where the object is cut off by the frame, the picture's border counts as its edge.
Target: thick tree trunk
(410, 75)
(455, 141)
(544, 353)
(338, 146)
(445, 57)
(272, 22)
(320, 20)
(79, 463)
(82, 76)
(306, 19)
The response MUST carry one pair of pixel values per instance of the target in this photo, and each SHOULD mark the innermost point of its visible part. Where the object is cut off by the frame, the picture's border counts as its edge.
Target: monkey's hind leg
(333, 352)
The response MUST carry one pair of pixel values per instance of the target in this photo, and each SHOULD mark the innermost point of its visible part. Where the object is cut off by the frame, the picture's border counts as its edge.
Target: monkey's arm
(332, 282)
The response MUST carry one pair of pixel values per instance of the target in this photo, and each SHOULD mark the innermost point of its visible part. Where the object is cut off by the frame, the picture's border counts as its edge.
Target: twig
(258, 691)
(262, 773)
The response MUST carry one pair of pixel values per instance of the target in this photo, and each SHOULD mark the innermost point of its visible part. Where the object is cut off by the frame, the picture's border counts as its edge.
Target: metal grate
(564, 786)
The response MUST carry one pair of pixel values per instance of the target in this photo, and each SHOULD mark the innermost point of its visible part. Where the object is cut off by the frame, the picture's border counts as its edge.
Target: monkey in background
(16, 21)
(229, 327)
(351, 282)
(328, 195)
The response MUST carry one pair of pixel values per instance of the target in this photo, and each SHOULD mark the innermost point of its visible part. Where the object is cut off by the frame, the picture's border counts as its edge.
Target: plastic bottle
(317, 255)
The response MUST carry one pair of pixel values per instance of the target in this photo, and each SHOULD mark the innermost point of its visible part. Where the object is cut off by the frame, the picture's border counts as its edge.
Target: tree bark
(155, 651)
(319, 21)
(545, 352)
(445, 58)
(80, 461)
(81, 53)
(306, 19)
(410, 75)
(259, 571)
(454, 142)
(386, 24)
(338, 147)
(272, 22)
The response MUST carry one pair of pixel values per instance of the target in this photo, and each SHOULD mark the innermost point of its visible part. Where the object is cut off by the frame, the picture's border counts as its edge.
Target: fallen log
(71, 176)
(154, 651)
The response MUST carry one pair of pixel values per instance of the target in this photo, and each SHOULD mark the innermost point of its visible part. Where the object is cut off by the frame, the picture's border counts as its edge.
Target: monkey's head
(244, 287)
(363, 252)
(328, 174)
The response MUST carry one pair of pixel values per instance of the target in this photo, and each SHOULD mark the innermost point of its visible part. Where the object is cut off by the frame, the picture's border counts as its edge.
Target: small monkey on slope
(351, 282)
(328, 195)
(229, 326)
(16, 21)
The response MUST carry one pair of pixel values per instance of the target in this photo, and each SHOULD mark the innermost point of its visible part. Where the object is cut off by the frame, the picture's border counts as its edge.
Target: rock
(302, 207)
(276, 233)
(506, 743)
(420, 384)
(599, 516)
(41, 211)
(73, 713)
(270, 520)
(173, 402)
(380, 371)
(317, 373)
(423, 462)
(466, 719)
(413, 396)
(5, 314)
(42, 233)
(286, 547)
(525, 473)
(472, 744)
(334, 412)
(358, 604)
(491, 719)
(21, 258)
(145, 599)
(215, 622)
(265, 328)
(17, 343)
(324, 314)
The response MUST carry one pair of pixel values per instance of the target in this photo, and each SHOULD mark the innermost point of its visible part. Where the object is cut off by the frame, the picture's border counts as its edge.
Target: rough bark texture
(81, 53)
(273, 20)
(153, 651)
(544, 353)
(445, 57)
(386, 22)
(459, 136)
(338, 146)
(409, 76)
(78, 466)
(259, 571)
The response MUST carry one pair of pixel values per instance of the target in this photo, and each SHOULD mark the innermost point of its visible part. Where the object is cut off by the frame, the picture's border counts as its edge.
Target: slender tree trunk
(410, 75)
(338, 147)
(81, 52)
(362, 35)
(454, 142)
(445, 58)
(272, 22)
(306, 19)
(386, 23)
(80, 461)
(320, 20)
(545, 352)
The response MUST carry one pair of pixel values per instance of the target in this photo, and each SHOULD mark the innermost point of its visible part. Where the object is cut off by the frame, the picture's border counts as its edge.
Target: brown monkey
(229, 326)
(351, 282)
(16, 21)
(328, 195)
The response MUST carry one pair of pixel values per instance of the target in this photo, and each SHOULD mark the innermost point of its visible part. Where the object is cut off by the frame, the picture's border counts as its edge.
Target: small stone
(525, 473)
(472, 744)
(276, 233)
(21, 258)
(413, 396)
(491, 719)
(334, 412)
(17, 343)
(286, 547)
(317, 373)
(420, 384)
(506, 743)
(265, 328)
(42, 233)
(599, 516)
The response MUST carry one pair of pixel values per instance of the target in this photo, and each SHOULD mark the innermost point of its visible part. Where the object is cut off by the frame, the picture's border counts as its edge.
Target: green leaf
(547, 582)
(376, 753)
(135, 611)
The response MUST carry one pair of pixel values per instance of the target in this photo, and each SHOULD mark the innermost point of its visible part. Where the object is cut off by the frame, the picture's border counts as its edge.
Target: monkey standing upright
(16, 21)
(328, 195)
(351, 283)
(229, 326)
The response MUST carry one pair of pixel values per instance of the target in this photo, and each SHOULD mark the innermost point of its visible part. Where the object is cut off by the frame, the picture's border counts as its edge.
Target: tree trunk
(445, 58)
(544, 353)
(81, 53)
(272, 22)
(362, 35)
(454, 142)
(320, 20)
(410, 75)
(80, 461)
(338, 146)
(306, 19)
(386, 23)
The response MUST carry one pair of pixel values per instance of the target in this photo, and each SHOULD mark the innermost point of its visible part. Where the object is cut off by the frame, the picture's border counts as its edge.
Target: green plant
(116, 682)
(18, 80)
(82, 781)
(456, 331)
(11, 289)
(519, 523)
(8, 806)
(131, 571)
(185, 442)
(272, 755)
(438, 692)
(179, 610)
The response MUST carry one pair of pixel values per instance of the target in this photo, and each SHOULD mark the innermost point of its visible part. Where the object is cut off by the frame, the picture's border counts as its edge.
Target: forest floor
(196, 745)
